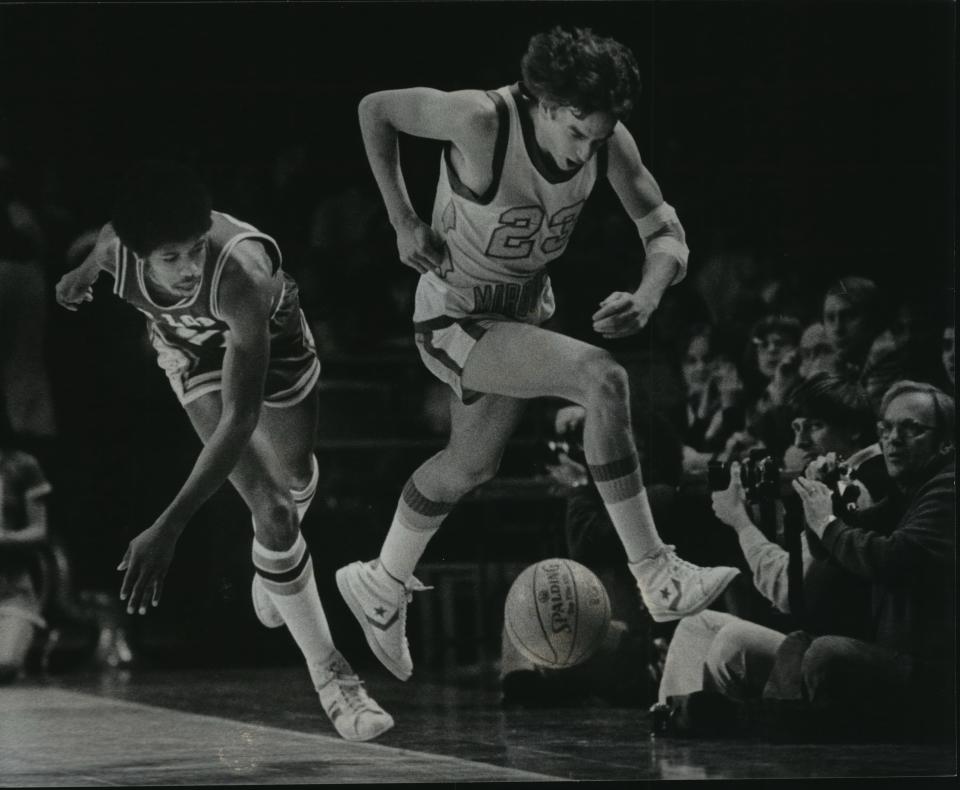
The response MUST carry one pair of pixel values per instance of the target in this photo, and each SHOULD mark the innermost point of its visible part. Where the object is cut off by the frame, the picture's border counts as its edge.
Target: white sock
(287, 576)
(415, 522)
(621, 488)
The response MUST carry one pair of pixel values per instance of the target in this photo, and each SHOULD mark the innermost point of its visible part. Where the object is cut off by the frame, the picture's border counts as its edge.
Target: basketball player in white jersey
(517, 165)
(226, 322)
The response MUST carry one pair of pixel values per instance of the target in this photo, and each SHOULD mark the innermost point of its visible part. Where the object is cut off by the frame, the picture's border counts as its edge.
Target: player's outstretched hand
(73, 290)
(146, 563)
(623, 314)
(420, 246)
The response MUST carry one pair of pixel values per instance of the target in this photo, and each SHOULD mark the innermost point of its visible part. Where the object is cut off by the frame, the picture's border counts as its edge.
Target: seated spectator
(817, 355)
(775, 362)
(901, 672)
(947, 356)
(833, 432)
(23, 530)
(713, 403)
(835, 421)
(852, 318)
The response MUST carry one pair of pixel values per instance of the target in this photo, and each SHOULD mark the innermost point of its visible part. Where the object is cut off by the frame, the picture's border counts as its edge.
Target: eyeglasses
(906, 429)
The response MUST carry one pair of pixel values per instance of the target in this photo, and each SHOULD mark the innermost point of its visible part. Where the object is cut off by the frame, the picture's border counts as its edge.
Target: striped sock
(287, 576)
(302, 497)
(621, 487)
(414, 523)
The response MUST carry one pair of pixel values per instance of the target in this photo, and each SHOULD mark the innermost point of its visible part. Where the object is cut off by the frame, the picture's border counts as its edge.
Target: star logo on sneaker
(672, 606)
(386, 622)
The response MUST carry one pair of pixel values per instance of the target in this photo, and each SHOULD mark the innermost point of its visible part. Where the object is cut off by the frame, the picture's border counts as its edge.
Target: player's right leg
(378, 591)
(283, 563)
(525, 361)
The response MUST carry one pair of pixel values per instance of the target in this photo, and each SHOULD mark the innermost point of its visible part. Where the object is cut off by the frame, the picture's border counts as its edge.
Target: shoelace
(412, 586)
(678, 563)
(351, 689)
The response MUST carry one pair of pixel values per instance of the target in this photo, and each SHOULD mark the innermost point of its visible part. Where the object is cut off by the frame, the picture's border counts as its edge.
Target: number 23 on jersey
(515, 236)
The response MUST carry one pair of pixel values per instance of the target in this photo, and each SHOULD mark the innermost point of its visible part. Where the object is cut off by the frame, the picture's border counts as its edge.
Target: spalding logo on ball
(557, 613)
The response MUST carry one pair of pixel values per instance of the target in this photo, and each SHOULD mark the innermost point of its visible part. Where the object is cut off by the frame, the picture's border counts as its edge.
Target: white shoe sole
(664, 615)
(355, 737)
(343, 584)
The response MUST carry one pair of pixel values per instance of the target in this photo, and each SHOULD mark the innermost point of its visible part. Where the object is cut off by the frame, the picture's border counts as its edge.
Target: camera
(759, 474)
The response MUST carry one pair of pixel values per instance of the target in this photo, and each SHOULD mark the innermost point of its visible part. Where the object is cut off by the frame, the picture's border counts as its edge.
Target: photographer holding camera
(897, 675)
(833, 439)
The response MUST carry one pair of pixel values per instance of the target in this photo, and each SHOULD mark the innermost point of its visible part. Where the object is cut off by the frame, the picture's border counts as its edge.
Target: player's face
(176, 267)
(569, 139)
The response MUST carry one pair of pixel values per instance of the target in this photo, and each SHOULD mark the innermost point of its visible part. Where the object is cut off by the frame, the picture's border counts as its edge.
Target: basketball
(557, 613)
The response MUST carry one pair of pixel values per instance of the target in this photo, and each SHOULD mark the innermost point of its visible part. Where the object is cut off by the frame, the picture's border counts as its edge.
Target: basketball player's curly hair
(581, 70)
(159, 203)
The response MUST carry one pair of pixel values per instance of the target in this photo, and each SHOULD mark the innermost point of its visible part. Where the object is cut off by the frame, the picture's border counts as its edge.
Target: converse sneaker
(379, 603)
(355, 715)
(266, 612)
(673, 588)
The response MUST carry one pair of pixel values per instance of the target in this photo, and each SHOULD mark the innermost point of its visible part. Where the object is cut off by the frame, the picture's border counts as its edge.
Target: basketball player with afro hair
(226, 323)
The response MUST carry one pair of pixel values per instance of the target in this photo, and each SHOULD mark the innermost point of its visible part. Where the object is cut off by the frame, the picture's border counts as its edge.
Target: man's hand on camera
(822, 468)
(817, 499)
(730, 505)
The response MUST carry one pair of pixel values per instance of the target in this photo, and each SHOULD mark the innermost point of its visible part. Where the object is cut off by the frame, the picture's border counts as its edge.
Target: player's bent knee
(604, 379)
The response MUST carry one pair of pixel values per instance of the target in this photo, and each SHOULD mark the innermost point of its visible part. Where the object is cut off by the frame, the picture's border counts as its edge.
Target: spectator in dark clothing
(714, 389)
(23, 531)
(948, 356)
(775, 364)
(852, 317)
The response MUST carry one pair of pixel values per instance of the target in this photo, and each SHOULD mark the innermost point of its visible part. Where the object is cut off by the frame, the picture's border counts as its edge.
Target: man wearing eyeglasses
(909, 662)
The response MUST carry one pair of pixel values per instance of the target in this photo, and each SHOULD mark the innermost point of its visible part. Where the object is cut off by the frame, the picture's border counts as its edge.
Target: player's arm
(662, 234)
(246, 296)
(76, 286)
(465, 118)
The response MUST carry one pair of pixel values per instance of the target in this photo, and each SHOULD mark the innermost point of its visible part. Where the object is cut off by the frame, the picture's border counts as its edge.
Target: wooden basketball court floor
(261, 726)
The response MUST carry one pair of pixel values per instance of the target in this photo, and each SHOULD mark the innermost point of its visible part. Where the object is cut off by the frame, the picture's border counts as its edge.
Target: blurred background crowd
(809, 151)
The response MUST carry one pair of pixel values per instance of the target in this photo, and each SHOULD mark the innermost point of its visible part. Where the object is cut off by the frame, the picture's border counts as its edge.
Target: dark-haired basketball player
(225, 320)
(517, 165)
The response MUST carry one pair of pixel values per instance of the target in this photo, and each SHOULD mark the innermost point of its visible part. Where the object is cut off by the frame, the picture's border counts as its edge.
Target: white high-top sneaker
(379, 603)
(673, 588)
(353, 712)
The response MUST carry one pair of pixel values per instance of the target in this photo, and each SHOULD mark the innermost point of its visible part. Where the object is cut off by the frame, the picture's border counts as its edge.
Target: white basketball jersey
(499, 243)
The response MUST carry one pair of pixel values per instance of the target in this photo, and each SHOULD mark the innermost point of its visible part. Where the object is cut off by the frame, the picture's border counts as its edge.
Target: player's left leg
(525, 361)
(292, 432)
(283, 563)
